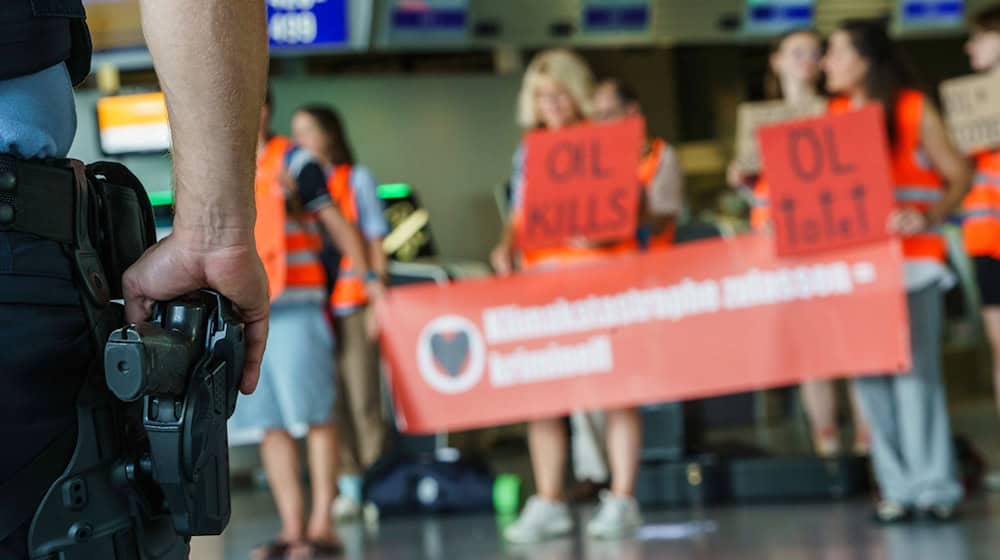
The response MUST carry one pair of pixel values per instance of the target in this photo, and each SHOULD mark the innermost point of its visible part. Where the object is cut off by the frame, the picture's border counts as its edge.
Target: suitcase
(698, 480)
(798, 478)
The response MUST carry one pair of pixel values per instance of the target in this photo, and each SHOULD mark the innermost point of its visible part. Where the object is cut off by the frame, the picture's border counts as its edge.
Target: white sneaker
(618, 518)
(370, 513)
(346, 508)
(540, 520)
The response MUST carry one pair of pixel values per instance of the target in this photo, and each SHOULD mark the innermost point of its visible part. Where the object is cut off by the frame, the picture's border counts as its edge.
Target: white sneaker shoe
(346, 508)
(540, 520)
(618, 518)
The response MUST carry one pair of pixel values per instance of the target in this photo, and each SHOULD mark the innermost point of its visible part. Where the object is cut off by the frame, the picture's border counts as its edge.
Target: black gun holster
(93, 510)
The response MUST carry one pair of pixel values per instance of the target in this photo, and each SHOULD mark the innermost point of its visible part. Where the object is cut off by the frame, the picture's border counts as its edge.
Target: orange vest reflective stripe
(349, 290)
(917, 185)
(304, 242)
(648, 167)
(269, 197)
(760, 205)
(981, 208)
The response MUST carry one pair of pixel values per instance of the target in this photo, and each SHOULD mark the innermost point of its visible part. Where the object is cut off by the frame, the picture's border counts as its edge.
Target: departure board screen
(931, 14)
(778, 16)
(429, 16)
(616, 15)
(308, 24)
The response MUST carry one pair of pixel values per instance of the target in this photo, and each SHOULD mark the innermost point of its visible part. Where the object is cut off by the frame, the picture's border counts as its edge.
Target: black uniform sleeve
(312, 187)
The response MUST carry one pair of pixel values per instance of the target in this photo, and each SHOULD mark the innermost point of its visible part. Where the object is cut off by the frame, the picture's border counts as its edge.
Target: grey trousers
(911, 446)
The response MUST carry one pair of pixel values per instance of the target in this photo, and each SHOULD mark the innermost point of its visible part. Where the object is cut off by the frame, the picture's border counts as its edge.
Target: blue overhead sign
(930, 13)
(776, 16)
(430, 15)
(308, 24)
(616, 15)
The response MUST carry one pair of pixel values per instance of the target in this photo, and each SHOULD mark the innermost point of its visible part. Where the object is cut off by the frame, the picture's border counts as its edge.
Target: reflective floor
(817, 531)
(787, 532)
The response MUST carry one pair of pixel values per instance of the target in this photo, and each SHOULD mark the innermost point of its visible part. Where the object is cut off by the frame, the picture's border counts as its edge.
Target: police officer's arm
(211, 59)
(953, 167)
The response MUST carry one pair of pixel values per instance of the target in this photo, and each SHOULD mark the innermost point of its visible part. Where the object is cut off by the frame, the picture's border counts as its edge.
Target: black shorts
(988, 278)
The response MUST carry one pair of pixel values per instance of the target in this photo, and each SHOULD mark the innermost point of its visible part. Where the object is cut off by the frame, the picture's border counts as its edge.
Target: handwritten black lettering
(796, 138)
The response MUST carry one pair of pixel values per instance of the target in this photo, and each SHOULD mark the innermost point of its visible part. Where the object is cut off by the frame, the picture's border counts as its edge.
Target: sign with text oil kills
(581, 183)
(831, 184)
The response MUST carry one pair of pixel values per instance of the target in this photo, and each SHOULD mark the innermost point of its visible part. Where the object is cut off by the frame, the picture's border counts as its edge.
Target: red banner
(831, 185)
(704, 319)
(581, 182)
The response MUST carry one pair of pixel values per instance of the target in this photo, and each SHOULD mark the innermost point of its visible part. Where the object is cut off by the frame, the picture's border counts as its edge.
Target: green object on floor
(506, 494)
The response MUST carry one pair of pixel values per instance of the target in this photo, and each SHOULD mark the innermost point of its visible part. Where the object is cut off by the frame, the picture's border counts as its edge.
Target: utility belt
(149, 466)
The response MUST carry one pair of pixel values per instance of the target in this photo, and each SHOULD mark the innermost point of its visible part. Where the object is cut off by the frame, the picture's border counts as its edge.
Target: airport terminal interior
(746, 452)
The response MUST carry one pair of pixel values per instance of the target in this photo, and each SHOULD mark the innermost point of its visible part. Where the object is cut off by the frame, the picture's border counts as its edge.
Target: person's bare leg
(819, 400)
(862, 432)
(322, 449)
(624, 434)
(548, 447)
(991, 319)
(280, 455)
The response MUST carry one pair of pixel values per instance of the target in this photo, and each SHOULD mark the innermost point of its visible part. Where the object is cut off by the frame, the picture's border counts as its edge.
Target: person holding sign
(981, 209)
(557, 93)
(793, 76)
(911, 436)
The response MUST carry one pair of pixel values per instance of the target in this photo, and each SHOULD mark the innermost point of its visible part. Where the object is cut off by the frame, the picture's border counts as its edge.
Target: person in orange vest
(912, 448)
(793, 74)
(659, 170)
(981, 209)
(662, 203)
(352, 189)
(557, 92)
(295, 397)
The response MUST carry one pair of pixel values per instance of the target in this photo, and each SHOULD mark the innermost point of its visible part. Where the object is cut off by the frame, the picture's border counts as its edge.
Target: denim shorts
(296, 388)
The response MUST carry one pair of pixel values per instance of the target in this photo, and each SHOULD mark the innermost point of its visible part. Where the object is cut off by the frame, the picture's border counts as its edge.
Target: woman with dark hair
(911, 436)
(981, 210)
(351, 187)
(793, 75)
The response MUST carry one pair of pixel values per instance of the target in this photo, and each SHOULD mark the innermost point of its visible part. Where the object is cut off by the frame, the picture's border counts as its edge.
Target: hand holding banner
(831, 185)
(581, 182)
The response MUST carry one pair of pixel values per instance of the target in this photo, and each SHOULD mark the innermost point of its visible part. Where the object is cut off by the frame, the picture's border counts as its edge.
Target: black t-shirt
(314, 196)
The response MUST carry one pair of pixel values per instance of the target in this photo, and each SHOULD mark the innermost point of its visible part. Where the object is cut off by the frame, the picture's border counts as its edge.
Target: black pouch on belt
(124, 217)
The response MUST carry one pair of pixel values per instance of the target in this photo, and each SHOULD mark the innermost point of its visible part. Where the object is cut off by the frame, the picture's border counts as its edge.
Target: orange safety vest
(288, 247)
(349, 290)
(981, 208)
(269, 197)
(648, 167)
(917, 185)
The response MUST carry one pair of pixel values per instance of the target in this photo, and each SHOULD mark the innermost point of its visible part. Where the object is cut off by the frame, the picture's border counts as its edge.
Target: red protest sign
(581, 182)
(705, 319)
(830, 180)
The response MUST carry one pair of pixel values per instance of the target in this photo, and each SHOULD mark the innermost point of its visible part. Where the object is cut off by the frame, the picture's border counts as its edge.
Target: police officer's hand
(180, 264)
